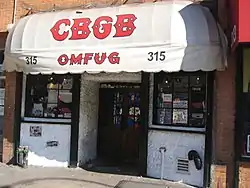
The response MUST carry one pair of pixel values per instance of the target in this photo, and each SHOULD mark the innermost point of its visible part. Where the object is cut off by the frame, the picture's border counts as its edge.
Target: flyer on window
(164, 116)
(180, 100)
(35, 131)
(52, 96)
(167, 97)
(180, 116)
(1, 110)
(1, 102)
(2, 93)
(167, 100)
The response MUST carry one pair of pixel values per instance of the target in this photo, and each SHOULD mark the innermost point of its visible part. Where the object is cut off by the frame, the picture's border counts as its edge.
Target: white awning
(163, 36)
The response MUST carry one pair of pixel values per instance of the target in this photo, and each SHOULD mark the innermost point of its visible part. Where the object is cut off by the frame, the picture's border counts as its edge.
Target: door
(119, 124)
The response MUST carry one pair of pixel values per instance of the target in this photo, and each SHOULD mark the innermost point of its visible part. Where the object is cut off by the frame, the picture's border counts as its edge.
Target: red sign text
(83, 59)
(101, 29)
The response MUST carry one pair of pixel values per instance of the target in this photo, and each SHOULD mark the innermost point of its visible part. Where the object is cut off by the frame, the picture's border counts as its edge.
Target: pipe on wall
(9, 26)
(14, 12)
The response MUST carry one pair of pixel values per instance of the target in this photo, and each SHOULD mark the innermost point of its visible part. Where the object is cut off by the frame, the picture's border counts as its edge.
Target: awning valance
(164, 36)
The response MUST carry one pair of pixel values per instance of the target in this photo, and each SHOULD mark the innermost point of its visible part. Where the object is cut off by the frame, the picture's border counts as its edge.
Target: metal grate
(183, 166)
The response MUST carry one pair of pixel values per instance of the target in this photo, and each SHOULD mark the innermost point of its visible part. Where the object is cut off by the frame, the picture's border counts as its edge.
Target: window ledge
(46, 120)
(243, 158)
(175, 128)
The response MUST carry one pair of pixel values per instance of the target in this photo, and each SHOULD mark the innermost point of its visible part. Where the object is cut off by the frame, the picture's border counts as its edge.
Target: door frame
(74, 135)
(143, 142)
(143, 146)
(110, 91)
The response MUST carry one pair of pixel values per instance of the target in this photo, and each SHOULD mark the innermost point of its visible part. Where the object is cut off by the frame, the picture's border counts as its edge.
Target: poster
(51, 110)
(37, 109)
(52, 143)
(52, 96)
(36, 131)
(2, 93)
(164, 116)
(167, 100)
(1, 110)
(167, 97)
(180, 100)
(180, 116)
(180, 104)
(1, 101)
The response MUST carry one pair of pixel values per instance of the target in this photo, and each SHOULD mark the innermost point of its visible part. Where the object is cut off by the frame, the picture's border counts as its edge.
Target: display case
(49, 96)
(180, 99)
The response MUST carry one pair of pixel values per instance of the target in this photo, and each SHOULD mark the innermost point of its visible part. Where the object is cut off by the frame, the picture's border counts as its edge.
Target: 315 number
(31, 60)
(157, 56)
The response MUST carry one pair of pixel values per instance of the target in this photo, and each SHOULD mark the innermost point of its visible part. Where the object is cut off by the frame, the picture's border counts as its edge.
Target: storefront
(240, 45)
(120, 83)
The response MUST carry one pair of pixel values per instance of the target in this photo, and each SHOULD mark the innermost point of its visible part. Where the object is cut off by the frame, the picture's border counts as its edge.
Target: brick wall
(223, 127)
(9, 117)
(244, 175)
(223, 170)
(6, 12)
(220, 176)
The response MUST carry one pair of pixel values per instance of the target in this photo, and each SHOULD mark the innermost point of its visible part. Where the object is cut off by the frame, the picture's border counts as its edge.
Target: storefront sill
(244, 159)
(178, 129)
(46, 120)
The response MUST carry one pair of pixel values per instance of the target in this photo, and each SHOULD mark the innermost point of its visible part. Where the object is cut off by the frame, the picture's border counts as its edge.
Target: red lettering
(75, 60)
(80, 28)
(105, 27)
(63, 59)
(125, 25)
(87, 57)
(56, 28)
(114, 58)
(98, 60)
(102, 27)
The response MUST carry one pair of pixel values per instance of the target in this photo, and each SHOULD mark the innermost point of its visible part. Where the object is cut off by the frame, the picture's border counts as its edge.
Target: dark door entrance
(119, 122)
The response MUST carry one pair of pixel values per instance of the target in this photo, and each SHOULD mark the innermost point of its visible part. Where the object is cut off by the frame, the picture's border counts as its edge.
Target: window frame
(2, 89)
(242, 106)
(43, 119)
(1, 65)
(244, 141)
(181, 127)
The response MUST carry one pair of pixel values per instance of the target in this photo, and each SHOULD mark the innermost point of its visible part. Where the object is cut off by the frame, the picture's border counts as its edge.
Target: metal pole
(14, 12)
(162, 150)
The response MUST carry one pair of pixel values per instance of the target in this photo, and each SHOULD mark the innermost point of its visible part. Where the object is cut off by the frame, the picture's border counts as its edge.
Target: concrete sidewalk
(15, 177)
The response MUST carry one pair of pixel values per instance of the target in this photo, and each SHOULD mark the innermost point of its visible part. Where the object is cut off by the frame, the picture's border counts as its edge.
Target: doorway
(119, 123)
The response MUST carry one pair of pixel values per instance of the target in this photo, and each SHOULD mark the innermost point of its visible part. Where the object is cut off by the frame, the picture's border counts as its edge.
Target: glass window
(244, 110)
(180, 99)
(49, 96)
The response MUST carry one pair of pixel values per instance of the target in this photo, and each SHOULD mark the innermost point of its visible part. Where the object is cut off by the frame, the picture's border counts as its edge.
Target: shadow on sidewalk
(100, 165)
(31, 181)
